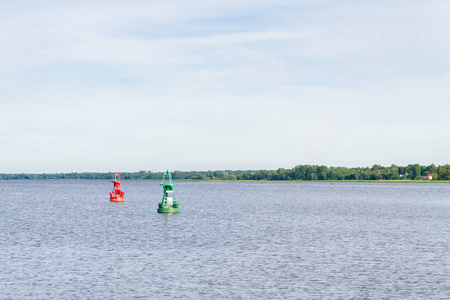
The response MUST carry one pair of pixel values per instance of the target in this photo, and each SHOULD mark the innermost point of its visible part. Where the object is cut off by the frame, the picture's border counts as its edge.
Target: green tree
(417, 172)
(394, 173)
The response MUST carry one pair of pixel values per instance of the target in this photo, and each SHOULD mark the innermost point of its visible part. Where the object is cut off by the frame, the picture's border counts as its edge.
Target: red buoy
(117, 195)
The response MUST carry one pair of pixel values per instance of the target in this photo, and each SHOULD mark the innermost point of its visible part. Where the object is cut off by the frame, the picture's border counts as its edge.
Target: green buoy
(168, 203)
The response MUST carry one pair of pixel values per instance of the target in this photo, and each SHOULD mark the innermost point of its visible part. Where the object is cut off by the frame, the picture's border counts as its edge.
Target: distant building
(428, 177)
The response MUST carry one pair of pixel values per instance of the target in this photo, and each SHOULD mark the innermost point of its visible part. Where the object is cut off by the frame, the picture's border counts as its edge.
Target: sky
(97, 86)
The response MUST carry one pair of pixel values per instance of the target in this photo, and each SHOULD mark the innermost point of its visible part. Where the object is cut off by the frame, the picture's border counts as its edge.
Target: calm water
(65, 240)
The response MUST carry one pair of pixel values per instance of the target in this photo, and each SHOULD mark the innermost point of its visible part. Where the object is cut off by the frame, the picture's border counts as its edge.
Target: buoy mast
(168, 203)
(117, 195)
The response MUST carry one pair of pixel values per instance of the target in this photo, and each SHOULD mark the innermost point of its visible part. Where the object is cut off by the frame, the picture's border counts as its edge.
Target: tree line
(300, 172)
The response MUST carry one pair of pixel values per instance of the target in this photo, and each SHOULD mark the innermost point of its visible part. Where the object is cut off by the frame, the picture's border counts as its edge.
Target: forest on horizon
(300, 172)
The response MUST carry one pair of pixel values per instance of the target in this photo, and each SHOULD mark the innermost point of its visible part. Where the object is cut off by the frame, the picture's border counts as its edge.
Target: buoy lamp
(117, 195)
(168, 203)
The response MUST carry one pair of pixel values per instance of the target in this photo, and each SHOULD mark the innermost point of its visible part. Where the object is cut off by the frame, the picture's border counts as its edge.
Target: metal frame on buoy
(168, 203)
(117, 195)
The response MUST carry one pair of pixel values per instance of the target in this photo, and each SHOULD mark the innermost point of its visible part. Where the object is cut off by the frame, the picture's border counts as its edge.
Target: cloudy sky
(223, 84)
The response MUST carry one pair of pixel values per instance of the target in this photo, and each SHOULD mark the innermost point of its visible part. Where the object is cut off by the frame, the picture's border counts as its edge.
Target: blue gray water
(65, 240)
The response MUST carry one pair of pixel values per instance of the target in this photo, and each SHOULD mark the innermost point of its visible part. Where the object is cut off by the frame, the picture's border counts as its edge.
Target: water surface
(65, 240)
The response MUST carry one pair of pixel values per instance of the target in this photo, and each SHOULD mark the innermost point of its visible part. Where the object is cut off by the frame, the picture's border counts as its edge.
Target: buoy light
(117, 195)
(168, 203)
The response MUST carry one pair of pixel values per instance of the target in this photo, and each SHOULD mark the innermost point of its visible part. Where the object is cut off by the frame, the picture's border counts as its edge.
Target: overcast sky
(223, 84)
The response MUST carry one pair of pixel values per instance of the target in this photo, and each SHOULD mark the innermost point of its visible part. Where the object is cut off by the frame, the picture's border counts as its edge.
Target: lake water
(66, 240)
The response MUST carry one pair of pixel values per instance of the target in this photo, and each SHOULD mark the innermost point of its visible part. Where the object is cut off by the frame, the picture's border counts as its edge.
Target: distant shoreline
(245, 181)
(299, 173)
